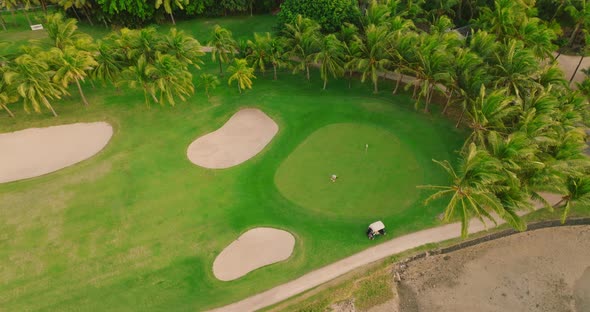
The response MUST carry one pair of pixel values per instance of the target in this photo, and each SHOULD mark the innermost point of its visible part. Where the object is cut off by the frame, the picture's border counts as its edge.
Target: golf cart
(376, 228)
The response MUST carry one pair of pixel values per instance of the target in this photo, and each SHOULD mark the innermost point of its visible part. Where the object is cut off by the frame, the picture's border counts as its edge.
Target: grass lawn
(138, 226)
(374, 182)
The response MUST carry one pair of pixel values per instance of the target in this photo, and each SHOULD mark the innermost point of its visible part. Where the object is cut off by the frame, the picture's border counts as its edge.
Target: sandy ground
(331, 271)
(243, 136)
(542, 270)
(568, 63)
(256, 248)
(37, 151)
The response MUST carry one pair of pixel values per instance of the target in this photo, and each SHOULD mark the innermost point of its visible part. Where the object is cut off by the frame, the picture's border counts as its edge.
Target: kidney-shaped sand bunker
(243, 136)
(36, 151)
(256, 248)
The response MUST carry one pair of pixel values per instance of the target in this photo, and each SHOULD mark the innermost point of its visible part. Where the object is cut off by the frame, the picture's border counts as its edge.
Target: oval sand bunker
(243, 136)
(254, 249)
(37, 151)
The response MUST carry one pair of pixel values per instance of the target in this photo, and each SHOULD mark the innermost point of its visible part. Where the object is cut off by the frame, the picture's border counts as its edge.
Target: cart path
(331, 271)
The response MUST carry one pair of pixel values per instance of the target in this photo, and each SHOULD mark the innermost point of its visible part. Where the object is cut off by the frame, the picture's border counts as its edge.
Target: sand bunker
(254, 249)
(36, 151)
(243, 136)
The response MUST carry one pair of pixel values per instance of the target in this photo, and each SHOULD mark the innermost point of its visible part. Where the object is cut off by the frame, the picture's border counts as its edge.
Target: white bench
(37, 27)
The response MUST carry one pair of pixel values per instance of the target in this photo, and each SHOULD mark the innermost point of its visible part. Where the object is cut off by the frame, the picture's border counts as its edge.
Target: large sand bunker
(254, 249)
(243, 136)
(36, 151)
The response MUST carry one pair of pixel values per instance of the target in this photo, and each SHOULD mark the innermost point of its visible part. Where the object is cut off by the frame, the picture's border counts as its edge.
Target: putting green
(375, 182)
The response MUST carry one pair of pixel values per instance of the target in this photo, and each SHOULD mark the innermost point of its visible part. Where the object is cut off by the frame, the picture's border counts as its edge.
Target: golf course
(189, 156)
(138, 225)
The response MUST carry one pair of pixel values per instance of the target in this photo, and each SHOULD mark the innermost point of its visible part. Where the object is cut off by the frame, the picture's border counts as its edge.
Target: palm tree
(136, 43)
(109, 63)
(209, 82)
(275, 55)
(372, 52)
(580, 14)
(184, 47)
(31, 78)
(330, 58)
(301, 38)
(7, 96)
(64, 33)
(577, 190)
(140, 75)
(259, 54)
(72, 65)
(432, 65)
(473, 189)
(222, 46)
(516, 68)
(490, 112)
(242, 74)
(168, 6)
(171, 79)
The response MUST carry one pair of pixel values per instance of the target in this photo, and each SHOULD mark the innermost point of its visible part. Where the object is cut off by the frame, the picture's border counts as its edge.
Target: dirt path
(329, 272)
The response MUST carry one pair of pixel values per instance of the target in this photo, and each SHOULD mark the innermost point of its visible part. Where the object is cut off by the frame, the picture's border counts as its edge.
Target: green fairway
(377, 173)
(138, 226)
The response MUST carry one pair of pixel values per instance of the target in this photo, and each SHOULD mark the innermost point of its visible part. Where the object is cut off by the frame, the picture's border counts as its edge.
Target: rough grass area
(137, 227)
(374, 290)
(374, 182)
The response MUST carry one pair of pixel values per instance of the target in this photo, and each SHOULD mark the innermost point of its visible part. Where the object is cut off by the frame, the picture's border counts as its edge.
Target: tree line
(527, 127)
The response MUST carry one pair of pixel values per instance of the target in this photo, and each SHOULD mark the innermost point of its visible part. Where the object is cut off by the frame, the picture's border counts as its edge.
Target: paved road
(329, 272)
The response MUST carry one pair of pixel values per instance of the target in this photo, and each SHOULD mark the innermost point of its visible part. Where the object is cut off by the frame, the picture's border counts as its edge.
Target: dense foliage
(330, 14)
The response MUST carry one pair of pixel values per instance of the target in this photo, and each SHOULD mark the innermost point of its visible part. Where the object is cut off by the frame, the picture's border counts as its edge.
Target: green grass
(373, 183)
(137, 227)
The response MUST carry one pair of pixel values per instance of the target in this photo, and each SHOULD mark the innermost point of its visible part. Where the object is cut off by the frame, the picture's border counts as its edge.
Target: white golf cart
(376, 228)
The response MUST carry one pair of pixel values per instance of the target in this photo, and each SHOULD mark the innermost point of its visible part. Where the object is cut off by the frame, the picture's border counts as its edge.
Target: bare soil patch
(541, 270)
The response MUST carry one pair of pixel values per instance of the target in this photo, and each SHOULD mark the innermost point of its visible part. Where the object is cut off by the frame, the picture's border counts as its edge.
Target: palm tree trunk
(416, 84)
(220, 68)
(574, 34)
(376, 86)
(81, 93)
(449, 97)
(48, 105)
(88, 16)
(428, 96)
(576, 70)
(325, 82)
(274, 67)
(3, 22)
(8, 111)
(350, 79)
(27, 16)
(401, 76)
(43, 6)
(460, 118)
(172, 18)
(154, 97)
(76, 13)
(307, 72)
(239, 89)
(13, 17)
